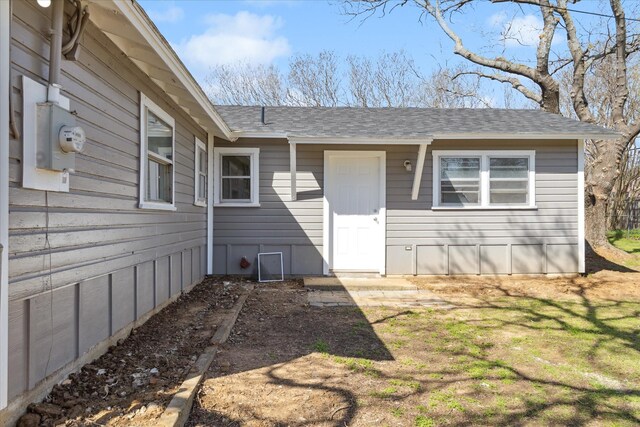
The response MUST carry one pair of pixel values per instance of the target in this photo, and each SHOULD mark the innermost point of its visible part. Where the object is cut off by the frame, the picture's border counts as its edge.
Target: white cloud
(172, 14)
(519, 31)
(497, 19)
(228, 39)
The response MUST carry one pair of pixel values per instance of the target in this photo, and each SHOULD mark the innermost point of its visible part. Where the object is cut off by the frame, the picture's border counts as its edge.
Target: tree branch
(622, 89)
(459, 48)
(513, 81)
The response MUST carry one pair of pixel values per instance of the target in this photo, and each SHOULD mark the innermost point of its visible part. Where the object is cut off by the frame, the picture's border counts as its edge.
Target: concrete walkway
(370, 291)
(411, 298)
(359, 284)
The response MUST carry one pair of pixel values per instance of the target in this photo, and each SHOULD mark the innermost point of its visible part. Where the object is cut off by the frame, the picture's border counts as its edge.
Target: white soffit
(126, 24)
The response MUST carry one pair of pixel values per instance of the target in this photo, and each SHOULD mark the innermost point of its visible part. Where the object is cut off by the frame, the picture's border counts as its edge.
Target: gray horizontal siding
(107, 261)
(419, 240)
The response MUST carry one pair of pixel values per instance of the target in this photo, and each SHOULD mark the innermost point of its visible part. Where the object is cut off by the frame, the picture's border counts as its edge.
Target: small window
(237, 176)
(483, 179)
(157, 145)
(200, 169)
(460, 180)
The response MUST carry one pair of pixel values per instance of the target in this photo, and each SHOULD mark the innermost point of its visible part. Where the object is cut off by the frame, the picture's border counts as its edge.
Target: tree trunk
(595, 212)
(600, 178)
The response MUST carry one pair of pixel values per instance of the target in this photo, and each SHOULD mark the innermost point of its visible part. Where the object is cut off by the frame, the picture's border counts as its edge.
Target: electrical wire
(47, 247)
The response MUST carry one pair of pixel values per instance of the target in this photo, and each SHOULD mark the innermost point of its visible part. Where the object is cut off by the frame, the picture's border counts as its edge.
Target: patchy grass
(499, 360)
(321, 346)
(560, 362)
(628, 242)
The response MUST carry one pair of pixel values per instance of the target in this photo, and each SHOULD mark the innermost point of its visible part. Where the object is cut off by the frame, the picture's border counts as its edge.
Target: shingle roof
(406, 123)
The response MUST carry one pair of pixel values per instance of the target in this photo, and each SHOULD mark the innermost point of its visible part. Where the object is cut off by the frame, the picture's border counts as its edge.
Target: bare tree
(539, 84)
(314, 80)
(389, 80)
(246, 84)
(456, 87)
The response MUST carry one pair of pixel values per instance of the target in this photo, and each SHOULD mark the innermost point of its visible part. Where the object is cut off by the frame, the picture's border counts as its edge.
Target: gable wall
(419, 240)
(110, 263)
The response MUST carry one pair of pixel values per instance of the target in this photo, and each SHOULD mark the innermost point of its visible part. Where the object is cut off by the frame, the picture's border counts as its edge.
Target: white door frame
(327, 227)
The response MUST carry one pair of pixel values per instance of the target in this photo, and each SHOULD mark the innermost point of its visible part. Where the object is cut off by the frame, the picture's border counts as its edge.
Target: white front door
(355, 198)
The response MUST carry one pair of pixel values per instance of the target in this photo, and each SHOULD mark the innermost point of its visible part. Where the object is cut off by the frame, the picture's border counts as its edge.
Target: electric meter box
(51, 119)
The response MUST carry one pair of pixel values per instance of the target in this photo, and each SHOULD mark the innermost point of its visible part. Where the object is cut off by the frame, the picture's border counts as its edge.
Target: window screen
(459, 180)
(509, 180)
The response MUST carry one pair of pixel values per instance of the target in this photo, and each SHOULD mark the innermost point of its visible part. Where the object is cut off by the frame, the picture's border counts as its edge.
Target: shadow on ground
(503, 359)
(595, 262)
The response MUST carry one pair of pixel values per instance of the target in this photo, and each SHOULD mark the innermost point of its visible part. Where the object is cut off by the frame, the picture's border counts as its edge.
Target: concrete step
(358, 284)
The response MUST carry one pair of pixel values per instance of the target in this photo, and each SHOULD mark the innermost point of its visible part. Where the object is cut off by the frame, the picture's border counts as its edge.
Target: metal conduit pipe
(55, 49)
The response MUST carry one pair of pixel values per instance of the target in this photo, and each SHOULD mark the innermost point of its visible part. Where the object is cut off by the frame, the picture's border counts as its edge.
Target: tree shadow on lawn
(596, 262)
(347, 336)
(279, 334)
(581, 320)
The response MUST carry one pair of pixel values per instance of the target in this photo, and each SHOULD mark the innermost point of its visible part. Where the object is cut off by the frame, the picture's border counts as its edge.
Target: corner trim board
(210, 144)
(293, 169)
(581, 219)
(5, 68)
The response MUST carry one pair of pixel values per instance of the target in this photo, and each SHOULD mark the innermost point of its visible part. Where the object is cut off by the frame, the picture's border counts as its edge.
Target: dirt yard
(134, 381)
(514, 351)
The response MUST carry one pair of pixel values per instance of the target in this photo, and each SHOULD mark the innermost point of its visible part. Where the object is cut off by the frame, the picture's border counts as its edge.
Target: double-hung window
(200, 170)
(237, 176)
(157, 149)
(483, 179)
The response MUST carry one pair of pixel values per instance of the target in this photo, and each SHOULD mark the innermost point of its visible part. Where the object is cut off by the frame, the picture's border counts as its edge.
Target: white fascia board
(359, 140)
(522, 136)
(235, 135)
(138, 18)
(413, 141)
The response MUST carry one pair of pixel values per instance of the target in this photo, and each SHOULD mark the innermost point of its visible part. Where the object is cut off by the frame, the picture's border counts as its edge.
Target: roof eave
(149, 47)
(418, 140)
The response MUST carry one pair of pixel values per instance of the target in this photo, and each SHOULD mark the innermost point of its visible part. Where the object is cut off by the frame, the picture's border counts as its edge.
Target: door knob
(375, 218)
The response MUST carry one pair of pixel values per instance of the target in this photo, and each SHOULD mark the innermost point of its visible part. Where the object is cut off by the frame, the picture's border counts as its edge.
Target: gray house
(401, 191)
(121, 186)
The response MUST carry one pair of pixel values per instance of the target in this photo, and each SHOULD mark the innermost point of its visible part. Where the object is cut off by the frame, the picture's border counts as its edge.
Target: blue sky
(206, 33)
(271, 30)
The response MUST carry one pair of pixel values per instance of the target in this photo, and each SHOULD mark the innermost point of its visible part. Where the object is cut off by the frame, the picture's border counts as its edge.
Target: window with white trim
(483, 179)
(237, 176)
(200, 171)
(157, 145)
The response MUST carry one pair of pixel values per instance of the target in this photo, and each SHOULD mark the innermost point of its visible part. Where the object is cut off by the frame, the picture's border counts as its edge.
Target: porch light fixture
(44, 3)
(407, 165)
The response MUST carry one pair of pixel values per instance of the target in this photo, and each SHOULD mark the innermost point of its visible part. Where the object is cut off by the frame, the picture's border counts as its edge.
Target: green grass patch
(412, 384)
(628, 242)
(321, 346)
(422, 421)
(397, 412)
(385, 393)
(364, 366)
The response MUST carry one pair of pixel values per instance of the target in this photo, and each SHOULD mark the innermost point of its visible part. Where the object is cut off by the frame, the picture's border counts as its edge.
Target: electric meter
(72, 139)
